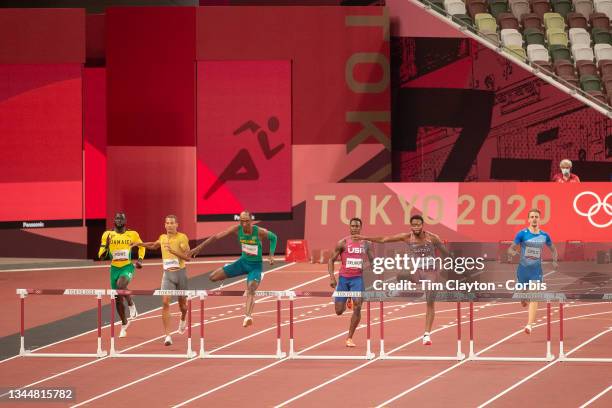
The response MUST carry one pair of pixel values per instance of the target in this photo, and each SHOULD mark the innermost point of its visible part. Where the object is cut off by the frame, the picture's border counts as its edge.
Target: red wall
(41, 132)
(150, 64)
(94, 118)
(42, 36)
(41, 56)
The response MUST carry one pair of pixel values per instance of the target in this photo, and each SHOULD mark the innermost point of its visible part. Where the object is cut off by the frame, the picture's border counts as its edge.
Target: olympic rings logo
(595, 208)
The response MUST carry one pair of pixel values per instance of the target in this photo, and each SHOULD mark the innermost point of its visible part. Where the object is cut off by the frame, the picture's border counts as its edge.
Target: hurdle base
(278, 356)
(585, 359)
(135, 355)
(550, 357)
(297, 356)
(423, 358)
(28, 353)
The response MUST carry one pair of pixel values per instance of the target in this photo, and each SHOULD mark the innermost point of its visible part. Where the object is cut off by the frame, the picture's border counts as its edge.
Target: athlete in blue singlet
(531, 241)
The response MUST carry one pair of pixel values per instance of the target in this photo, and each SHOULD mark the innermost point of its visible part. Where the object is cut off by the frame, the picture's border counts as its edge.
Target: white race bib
(121, 255)
(171, 263)
(533, 252)
(354, 263)
(250, 249)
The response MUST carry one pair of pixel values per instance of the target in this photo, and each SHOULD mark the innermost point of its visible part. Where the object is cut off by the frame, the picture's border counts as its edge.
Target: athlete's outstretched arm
(264, 233)
(330, 264)
(440, 245)
(381, 240)
(195, 251)
(149, 245)
(513, 249)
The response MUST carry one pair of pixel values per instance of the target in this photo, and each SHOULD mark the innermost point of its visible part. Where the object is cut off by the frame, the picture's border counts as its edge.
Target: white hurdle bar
(184, 293)
(297, 356)
(23, 293)
(384, 356)
(279, 353)
(474, 356)
(563, 356)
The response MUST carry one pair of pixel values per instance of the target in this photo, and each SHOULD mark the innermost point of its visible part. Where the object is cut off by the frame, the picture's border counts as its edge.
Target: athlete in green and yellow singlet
(250, 262)
(117, 245)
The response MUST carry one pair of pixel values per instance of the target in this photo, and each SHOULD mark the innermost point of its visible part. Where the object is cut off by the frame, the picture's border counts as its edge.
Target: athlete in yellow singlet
(174, 246)
(117, 245)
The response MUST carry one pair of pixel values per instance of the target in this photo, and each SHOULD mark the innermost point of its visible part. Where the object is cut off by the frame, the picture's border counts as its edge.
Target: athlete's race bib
(533, 252)
(250, 249)
(121, 255)
(171, 263)
(356, 263)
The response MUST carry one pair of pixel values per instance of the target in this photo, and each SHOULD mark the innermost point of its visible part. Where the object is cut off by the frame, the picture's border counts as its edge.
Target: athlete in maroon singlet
(353, 254)
(421, 244)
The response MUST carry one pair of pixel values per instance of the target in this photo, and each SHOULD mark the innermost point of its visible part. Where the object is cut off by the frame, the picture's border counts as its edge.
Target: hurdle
(119, 292)
(548, 353)
(562, 355)
(295, 355)
(385, 356)
(209, 355)
(23, 293)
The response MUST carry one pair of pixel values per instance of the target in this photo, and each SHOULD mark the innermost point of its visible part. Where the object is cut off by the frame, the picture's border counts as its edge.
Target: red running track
(168, 382)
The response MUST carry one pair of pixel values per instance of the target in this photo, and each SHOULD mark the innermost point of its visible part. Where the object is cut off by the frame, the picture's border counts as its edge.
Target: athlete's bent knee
(217, 276)
(339, 309)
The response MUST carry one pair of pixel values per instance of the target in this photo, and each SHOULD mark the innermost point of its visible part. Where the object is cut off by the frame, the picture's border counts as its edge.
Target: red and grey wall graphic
(244, 138)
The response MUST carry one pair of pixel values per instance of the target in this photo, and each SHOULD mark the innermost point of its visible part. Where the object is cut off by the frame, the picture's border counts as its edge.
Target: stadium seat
(607, 84)
(563, 7)
(604, 6)
(454, 7)
(599, 20)
(540, 7)
(545, 67)
(554, 20)
(498, 7)
(507, 20)
(519, 8)
(511, 37)
(602, 36)
(579, 36)
(605, 68)
(564, 68)
(559, 53)
(485, 23)
(517, 51)
(531, 20)
(476, 7)
(586, 68)
(582, 52)
(534, 36)
(590, 83)
(577, 20)
(537, 52)
(584, 7)
(556, 36)
(603, 52)
(493, 37)
(463, 19)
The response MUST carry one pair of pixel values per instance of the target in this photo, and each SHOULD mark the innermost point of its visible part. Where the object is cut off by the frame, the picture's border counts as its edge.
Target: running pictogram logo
(581, 205)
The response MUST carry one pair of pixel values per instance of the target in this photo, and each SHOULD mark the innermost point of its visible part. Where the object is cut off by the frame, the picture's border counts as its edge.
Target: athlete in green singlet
(250, 262)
